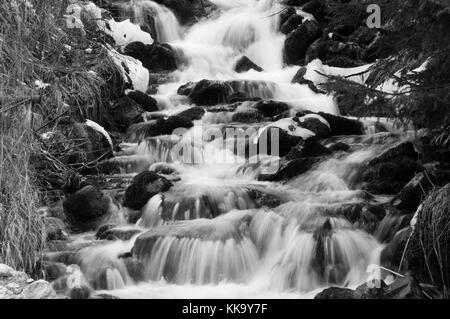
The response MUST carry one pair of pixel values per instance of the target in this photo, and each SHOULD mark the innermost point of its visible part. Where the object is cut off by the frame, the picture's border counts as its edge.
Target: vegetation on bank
(47, 72)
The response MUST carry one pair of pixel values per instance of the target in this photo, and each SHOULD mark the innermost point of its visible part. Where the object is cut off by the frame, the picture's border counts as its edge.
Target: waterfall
(159, 20)
(214, 233)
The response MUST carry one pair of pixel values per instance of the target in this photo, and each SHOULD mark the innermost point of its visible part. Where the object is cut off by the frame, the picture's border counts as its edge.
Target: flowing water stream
(207, 237)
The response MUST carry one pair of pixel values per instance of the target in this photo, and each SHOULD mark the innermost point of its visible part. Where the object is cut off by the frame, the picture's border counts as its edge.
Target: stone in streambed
(162, 126)
(156, 57)
(209, 93)
(298, 41)
(125, 112)
(193, 114)
(146, 102)
(292, 23)
(55, 229)
(244, 64)
(86, 209)
(144, 187)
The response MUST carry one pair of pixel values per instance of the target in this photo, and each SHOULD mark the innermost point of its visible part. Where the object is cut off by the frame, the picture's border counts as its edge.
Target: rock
(337, 293)
(402, 149)
(411, 195)
(263, 199)
(209, 93)
(39, 289)
(5, 271)
(363, 216)
(81, 293)
(146, 102)
(306, 149)
(52, 270)
(244, 64)
(292, 23)
(55, 229)
(144, 187)
(286, 14)
(315, 124)
(193, 114)
(156, 57)
(339, 147)
(343, 126)
(289, 169)
(111, 232)
(298, 41)
(329, 50)
(186, 89)
(363, 36)
(285, 143)
(104, 297)
(86, 209)
(269, 108)
(248, 116)
(428, 252)
(389, 177)
(125, 112)
(317, 8)
(163, 126)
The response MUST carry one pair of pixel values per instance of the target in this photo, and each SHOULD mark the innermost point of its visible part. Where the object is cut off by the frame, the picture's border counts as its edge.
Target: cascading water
(208, 236)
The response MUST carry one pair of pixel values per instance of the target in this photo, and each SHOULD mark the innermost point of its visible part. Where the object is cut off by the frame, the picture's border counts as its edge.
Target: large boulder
(292, 23)
(317, 8)
(316, 124)
(125, 112)
(412, 194)
(156, 57)
(145, 186)
(337, 293)
(343, 126)
(298, 41)
(193, 114)
(244, 64)
(209, 93)
(146, 102)
(86, 209)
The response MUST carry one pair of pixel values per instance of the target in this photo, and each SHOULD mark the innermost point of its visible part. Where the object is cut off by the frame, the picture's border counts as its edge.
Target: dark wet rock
(299, 77)
(284, 143)
(428, 252)
(316, 126)
(389, 177)
(412, 194)
(208, 93)
(55, 229)
(402, 149)
(339, 147)
(146, 102)
(393, 253)
(363, 35)
(111, 232)
(329, 50)
(248, 116)
(145, 186)
(289, 169)
(193, 114)
(362, 216)
(343, 126)
(292, 23)
(163, 126)
(295, 3)
(298, 41)
(317, 8)
(86, 209)
(125, 112)
(337, 293)
(271, 108)
(186, 89)
(286, 14)
(263, 199)
(244, 64)
(135, 268)
(156, 57)
(393, 222)
(306, 149)
(51, 271)
(81, 293)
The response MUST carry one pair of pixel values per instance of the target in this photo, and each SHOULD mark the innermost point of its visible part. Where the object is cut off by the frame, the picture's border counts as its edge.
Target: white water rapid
(207, 237)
